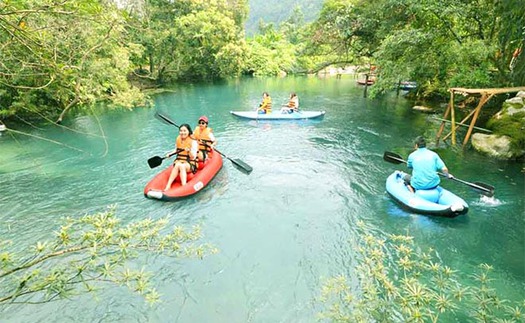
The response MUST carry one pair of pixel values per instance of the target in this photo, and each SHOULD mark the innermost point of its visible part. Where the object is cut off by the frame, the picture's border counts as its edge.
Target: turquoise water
(281, 230)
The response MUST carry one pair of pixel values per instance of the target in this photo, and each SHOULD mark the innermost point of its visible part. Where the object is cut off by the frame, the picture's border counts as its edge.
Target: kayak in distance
(195, 182)
(277, 115)
(437, 201)
(407, 85)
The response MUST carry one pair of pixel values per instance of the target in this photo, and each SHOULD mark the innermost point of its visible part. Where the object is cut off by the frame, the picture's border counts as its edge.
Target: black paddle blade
(393, 158)
(482, 188)
(485, 189)
(155, 161)
(242, 166)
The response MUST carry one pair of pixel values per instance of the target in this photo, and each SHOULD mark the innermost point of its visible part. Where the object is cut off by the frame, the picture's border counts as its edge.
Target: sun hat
(204, 118)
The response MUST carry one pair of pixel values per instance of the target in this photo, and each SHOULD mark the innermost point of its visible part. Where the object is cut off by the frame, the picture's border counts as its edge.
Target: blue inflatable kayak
(277, 115)
(438, 201)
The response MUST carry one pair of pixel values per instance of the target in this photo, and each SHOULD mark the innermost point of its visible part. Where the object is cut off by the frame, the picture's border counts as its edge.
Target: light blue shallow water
(282, 229)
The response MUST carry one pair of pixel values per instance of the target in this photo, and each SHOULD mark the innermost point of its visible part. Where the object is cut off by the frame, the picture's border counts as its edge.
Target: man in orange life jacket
(205, 137)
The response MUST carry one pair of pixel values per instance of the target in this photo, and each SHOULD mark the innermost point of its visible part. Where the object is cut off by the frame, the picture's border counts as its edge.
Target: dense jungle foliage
(277, 11)
(57, 55)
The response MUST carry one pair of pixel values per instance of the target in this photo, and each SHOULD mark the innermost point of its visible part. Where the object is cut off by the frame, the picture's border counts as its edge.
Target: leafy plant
(88, 253)
(394, 281)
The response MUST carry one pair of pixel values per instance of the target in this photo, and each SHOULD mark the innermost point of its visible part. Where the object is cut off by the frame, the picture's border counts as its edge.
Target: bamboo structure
(486, 95)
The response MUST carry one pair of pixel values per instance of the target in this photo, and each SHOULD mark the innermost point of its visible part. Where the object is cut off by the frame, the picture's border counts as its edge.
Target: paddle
(239, 164)
(157, 160)
(482, 188)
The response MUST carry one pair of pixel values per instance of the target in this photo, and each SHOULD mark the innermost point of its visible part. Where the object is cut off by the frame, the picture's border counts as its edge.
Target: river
(283, 229)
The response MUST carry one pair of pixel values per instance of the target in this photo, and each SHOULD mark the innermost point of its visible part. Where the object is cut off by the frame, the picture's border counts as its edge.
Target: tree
(276, 50)
(207, 45)
(58, 55)
(89, 252)
(190, 39)
(438, 44)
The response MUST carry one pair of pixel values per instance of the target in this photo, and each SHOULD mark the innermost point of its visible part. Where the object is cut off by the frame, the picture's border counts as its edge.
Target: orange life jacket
(182, 145)
(266, 105)
(203, 135)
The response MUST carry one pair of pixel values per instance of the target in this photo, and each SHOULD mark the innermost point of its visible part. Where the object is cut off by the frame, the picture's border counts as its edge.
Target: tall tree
(61, 54)
(191, 39)
(439, 44)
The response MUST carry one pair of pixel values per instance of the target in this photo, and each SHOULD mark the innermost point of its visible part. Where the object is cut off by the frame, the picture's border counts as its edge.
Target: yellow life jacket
(291, 104)
(205, 136)
(182, 145)
(266, 105)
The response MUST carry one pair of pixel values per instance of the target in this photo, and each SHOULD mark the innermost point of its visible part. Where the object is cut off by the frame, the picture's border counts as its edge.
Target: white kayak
(277, 115)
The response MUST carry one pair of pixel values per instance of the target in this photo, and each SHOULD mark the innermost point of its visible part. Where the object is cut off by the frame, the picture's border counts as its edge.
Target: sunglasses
(202, 122)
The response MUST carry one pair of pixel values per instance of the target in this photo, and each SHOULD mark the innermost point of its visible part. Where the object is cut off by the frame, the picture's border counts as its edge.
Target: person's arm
(445, 171)
(409, 162)
(213, 140)
(173, 152)
(440, 165)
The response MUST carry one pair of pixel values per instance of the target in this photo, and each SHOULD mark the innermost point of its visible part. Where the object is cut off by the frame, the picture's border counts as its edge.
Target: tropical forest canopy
(58, 55)
(277, 11)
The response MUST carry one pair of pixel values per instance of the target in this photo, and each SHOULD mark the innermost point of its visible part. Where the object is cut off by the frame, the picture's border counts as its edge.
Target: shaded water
(281, 230)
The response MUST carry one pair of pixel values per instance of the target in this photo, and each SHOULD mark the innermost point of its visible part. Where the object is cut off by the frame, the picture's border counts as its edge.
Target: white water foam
(489, 201)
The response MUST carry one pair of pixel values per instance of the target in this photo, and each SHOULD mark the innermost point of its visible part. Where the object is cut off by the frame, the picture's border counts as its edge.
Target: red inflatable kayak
(205, 173)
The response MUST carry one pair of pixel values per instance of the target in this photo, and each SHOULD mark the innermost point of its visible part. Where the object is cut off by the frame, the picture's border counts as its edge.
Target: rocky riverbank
(508, 126)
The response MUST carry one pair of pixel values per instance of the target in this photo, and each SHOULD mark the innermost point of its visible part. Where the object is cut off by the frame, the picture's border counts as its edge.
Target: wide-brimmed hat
(204, 118)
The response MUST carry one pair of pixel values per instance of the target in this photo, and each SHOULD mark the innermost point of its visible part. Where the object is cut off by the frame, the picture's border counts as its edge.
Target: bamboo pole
(452, 119)
(484, 99)
(462, 121)
(486, 95)
(464, 124)
(366, 85)
(442, 127)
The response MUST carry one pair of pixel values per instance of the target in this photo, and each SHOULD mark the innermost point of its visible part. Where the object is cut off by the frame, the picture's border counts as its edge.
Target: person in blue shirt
(424, 164)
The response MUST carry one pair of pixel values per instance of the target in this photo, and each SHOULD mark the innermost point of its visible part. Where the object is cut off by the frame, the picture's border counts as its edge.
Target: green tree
(444, 44)
(439, 44)
(190, 39)
(58, 55)
(278, 11)
(207, 45)
(88, 253)
(279, 50)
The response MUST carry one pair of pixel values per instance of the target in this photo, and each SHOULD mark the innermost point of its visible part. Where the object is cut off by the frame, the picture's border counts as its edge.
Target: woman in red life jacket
(186, 150)
(204, 135)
